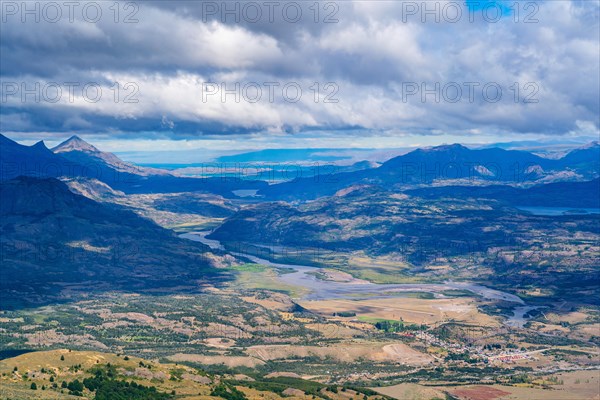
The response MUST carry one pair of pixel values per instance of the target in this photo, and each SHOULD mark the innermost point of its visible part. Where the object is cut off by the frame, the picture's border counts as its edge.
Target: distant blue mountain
(76, 158)
(446, 163)
(285, 155)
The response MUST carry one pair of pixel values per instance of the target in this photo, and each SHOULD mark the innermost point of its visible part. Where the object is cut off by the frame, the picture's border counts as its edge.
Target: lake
(557, 211)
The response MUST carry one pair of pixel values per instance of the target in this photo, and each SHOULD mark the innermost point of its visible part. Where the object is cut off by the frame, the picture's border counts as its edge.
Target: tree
(33, 386)
(75, 386)
(62, 358)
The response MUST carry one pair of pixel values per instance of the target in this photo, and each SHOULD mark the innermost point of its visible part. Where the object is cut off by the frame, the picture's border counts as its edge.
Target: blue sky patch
(490, 6)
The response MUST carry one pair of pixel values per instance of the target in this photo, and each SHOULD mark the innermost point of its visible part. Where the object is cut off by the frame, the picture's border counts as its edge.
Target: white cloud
(369, 54)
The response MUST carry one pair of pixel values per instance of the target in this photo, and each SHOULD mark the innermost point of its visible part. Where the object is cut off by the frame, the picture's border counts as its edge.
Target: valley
(438, 292)
(300, 200)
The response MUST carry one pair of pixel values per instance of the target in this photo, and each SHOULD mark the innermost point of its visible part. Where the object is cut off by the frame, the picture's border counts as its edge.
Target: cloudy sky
(151, 75)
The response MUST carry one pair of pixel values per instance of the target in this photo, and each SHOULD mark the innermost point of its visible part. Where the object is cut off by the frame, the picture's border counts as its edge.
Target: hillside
(55, 242)
(480, 239)
(558, 194)
(108, 376)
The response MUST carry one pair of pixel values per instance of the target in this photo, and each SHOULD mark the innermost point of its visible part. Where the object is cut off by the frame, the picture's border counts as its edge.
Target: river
(303, 276)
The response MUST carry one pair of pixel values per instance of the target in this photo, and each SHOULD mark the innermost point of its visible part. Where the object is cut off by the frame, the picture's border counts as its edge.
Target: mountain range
(447, 164)
(76, 158)
(55, 241)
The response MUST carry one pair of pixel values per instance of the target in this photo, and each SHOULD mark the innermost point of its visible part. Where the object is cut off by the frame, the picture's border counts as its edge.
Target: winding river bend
(304, 276)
